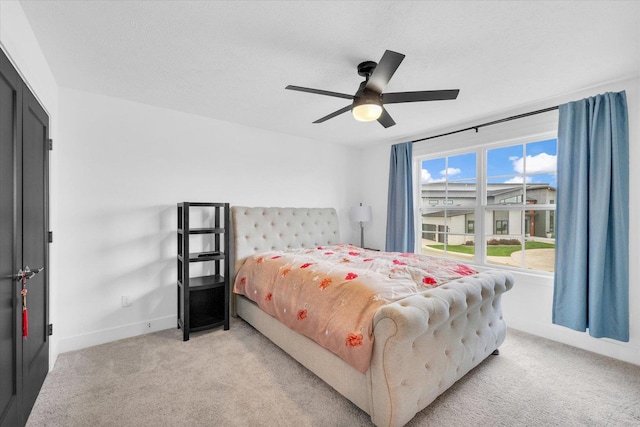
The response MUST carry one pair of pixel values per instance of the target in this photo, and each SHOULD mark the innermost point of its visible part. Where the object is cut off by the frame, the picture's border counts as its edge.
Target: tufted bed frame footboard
(422, 344)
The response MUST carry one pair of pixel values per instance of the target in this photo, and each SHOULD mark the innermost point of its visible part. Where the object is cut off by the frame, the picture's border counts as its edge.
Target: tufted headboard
(265, 229)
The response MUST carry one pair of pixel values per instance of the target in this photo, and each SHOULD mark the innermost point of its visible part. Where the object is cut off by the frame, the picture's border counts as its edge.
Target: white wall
(122, 168)
(528, 306)
(374, 183)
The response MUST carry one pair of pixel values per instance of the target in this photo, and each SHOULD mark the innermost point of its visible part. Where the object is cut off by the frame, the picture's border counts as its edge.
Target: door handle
(30, 273)
(27, 273)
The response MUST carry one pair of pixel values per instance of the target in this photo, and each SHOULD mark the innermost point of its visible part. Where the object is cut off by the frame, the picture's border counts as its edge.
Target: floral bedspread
(330, 294)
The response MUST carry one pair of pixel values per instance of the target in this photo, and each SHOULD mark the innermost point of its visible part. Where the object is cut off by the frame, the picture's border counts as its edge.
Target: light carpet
(239, 378)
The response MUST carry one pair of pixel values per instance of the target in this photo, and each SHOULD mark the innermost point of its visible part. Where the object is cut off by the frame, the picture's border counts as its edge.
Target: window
(492, 205)
(502, 226)
(448, 204)
(513, 199)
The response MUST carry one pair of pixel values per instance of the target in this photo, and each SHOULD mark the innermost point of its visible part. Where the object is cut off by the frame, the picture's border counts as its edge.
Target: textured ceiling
(232, 60)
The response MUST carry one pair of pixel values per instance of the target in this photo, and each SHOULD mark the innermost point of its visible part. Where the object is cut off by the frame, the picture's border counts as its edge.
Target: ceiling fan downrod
(365, 69)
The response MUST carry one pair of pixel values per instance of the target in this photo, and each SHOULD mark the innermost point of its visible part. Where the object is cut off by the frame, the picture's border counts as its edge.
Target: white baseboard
(611, 348)
(625, 351)
(103, 336)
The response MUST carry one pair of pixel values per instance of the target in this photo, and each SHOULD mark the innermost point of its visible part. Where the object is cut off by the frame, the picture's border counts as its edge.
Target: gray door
(35, 173)
(10, 252)
(23, 242)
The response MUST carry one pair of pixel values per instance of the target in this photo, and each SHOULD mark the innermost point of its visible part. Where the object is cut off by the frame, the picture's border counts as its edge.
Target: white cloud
(450, 171)
(427, 178)
(540, 163)
(517, 180)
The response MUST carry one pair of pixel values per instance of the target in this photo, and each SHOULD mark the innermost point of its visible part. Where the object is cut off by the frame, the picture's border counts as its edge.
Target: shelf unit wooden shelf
(203, 301)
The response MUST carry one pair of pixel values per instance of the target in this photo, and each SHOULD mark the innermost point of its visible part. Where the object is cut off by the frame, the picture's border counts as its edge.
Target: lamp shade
(367, 112)
(360, 213)
(367, 106)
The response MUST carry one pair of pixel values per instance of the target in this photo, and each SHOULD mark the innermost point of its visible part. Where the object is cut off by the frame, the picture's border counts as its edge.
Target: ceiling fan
(368, 102)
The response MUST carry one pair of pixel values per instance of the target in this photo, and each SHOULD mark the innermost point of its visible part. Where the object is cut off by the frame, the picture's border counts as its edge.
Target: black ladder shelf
(203, 301)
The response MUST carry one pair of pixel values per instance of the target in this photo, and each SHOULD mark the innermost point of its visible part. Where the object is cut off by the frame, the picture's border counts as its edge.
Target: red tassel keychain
(25, 313)
(25, 322)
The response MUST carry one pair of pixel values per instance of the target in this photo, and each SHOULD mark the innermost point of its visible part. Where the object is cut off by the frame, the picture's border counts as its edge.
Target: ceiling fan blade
(385, 119)
(383, 72)
(425, 95)
(332, 115)
(319, 92)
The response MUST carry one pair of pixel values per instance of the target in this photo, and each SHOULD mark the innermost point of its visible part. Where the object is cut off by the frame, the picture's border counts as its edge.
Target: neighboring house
(458, 225)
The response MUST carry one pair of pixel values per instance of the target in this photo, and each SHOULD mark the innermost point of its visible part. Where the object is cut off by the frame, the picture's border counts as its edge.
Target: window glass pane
(505, 250)
(506, 180)
(462, 168)
(457, 246)
(448, 183)
(431, 170)
(461, 193)
(505, 194)
(548, 147)
(503, 162)
(506, 230)
(504, 236)
(461, 246)
(504, 222)
(540, 194)
(433, 184)
(541, 224)
(434, 236)
(505, 176)
(434, 224)
(447, 233)
(461, 180)
(541, 162)
(544, 178)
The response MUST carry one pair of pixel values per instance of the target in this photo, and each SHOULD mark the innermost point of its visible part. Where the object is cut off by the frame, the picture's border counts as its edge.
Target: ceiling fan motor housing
(366, 68)
(367, 96)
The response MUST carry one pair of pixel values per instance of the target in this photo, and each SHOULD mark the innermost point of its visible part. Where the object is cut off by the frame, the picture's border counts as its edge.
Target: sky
(534, 162)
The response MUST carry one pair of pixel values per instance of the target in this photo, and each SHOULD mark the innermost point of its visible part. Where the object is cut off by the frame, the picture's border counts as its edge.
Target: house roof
(231, 60)
(469, 191)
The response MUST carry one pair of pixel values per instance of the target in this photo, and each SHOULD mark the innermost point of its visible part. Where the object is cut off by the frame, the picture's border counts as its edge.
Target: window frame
(482, 209)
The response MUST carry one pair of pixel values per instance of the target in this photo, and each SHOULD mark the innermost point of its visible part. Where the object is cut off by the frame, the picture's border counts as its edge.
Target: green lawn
(496, 250)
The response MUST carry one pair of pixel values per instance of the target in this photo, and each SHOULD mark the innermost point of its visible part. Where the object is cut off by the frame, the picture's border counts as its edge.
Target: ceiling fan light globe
(367, 112)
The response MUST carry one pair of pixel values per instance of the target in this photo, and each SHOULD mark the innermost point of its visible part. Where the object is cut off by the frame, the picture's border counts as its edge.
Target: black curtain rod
(495, 122)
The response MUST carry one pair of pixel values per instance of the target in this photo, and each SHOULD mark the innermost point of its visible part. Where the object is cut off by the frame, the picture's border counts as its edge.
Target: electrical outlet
(126, 300)
(148, 324)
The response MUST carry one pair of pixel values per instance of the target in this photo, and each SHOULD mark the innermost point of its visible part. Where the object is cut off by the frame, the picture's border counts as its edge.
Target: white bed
(422, 344)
